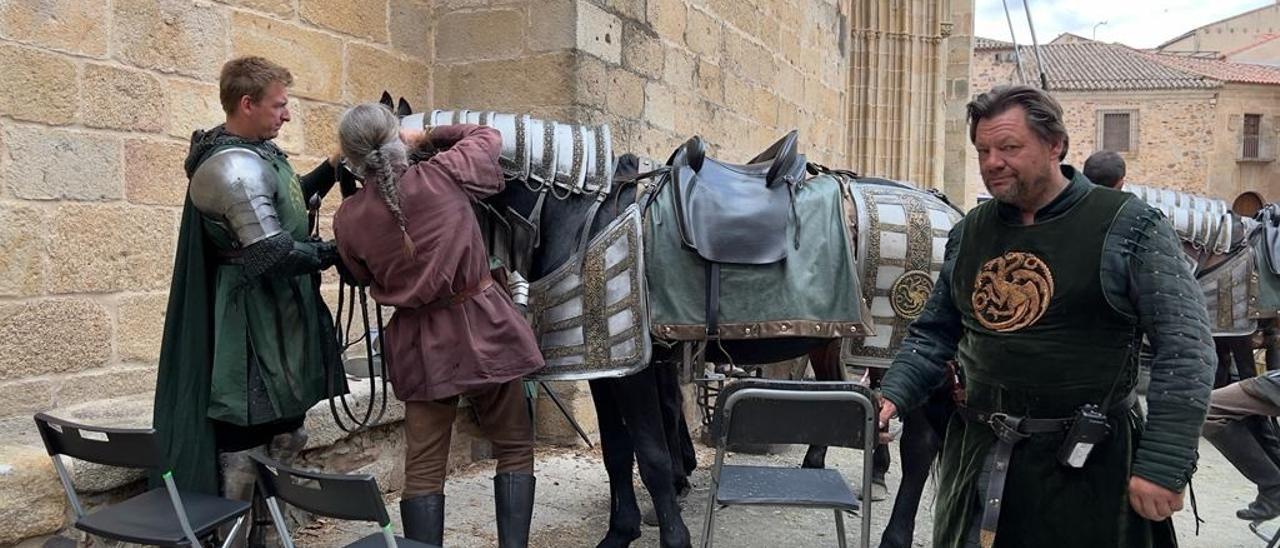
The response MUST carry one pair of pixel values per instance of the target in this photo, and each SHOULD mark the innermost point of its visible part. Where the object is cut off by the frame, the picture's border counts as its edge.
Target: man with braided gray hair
(247, 338)
(410, 234)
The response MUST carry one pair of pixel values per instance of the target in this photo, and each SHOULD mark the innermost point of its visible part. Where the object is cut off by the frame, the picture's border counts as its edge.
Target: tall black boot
(513, 504)
(423, 518)
(1237, 443)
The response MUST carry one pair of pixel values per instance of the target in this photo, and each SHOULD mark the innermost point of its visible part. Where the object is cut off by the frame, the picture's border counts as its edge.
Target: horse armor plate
(590, 315)
(902, 237)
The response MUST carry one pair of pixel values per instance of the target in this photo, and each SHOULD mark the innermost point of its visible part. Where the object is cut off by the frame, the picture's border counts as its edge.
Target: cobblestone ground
(572, 507)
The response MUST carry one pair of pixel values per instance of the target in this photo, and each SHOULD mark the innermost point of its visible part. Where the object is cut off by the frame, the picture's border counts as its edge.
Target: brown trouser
(428, 425)
(1233, 402)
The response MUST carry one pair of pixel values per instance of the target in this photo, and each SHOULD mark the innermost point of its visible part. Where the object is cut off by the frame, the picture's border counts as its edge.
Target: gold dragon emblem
(909, 294)
(1012, 291)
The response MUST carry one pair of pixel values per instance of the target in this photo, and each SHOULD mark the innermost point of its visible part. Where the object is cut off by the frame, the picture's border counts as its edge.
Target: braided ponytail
(370, 134)
(384, 174)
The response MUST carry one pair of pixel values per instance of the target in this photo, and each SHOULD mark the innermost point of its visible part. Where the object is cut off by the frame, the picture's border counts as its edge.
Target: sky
(1136, 23)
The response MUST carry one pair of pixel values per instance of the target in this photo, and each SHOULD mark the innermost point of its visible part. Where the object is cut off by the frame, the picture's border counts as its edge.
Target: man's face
(1016, 165)
(269, 114)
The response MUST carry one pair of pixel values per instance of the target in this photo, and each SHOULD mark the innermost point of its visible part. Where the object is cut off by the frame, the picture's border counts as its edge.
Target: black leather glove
(347, 277)
(327, 252)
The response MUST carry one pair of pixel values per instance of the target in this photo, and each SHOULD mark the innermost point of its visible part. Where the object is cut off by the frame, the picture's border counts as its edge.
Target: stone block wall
(100, 100)
(740, 73)
(1187, 140)
(1226, 176)
(1175, 133)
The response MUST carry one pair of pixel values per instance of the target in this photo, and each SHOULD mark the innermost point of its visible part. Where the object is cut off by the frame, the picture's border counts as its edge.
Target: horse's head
(401, 108)
(347, 180)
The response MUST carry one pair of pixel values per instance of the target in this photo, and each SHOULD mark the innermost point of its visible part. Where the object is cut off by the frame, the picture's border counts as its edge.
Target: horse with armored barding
(633, 271)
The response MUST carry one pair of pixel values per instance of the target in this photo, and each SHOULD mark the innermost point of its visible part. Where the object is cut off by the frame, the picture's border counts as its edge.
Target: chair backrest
(794, 412)
(123, 447)
(342, 496)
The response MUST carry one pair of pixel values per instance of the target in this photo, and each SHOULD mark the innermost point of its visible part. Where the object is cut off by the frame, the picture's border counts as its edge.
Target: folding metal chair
(159, 517)
(353, 497)
(839, 414)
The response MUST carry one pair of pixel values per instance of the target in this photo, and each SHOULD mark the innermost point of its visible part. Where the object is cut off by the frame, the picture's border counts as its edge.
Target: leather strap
(460, 297)
(1010, 431)
(713, 300)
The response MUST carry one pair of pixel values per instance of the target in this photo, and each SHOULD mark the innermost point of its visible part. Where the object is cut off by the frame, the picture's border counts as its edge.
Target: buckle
(1006, 427)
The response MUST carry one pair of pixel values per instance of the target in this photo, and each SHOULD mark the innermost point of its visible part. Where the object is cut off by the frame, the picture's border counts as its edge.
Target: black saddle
(735, 214)
(738, 214)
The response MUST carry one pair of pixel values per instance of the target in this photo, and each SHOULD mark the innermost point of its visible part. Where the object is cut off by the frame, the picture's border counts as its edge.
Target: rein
(348, 294)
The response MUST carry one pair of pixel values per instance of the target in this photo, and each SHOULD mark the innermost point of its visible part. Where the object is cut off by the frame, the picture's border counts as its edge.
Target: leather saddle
(736, 214)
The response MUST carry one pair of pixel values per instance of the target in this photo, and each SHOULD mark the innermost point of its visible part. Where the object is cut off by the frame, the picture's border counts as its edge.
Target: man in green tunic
(247, 338)
(1043, 299)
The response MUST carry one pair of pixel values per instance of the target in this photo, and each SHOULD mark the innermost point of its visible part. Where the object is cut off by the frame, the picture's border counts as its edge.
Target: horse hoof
(619, 539)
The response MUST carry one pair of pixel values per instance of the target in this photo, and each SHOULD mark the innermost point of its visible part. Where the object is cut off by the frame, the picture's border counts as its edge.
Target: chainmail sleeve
(281, 255)
(1171, 313)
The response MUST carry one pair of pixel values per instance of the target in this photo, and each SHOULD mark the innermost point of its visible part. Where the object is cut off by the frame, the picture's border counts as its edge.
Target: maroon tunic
(439, 350)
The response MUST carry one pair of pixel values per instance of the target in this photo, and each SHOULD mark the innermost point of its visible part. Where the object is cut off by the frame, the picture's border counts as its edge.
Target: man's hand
(887, 411)
(1152, 501)
(413, 138)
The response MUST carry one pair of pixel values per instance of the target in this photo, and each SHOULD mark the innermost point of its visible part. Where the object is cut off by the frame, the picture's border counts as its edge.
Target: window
(1252, 138)
(1118, 130)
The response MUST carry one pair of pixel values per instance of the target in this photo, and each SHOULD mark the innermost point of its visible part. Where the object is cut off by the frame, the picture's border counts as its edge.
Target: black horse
(640, 415)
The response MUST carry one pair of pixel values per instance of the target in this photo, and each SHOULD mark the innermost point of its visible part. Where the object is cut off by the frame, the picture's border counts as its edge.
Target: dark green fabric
(787, 290)
(182, 377)
(1066, 373)
(1143, 274)
(217, 316)
(1001, 375)
(1046, 504)
(276, 319)
(1268, 293)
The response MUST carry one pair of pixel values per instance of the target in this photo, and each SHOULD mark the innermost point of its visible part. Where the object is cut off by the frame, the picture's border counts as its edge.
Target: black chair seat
(772, 486)
(149, 518)
(375, 541)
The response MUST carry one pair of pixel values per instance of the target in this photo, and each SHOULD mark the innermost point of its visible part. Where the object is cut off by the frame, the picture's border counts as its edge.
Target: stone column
(900, 65)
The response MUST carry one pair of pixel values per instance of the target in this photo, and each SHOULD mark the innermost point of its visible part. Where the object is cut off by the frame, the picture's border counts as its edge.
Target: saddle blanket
(813, 292)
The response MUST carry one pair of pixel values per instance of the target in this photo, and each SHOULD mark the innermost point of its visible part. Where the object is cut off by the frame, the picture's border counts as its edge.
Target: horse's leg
(825, 360)
(1242, 351)
(615, 444)
(920, 444)
(637, 399)
(1271, 342)
(1222, 376)
(679, 443)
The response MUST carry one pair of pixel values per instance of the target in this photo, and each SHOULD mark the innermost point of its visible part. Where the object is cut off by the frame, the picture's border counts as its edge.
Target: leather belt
(1009, 431)
(461, 296)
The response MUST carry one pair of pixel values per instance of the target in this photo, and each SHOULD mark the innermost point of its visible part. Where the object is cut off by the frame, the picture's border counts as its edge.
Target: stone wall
(1227, 176)
(909, 62)
(1186, 139)
(1231, 33)
(100, 100)
(1174, 136)
(740, 73)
